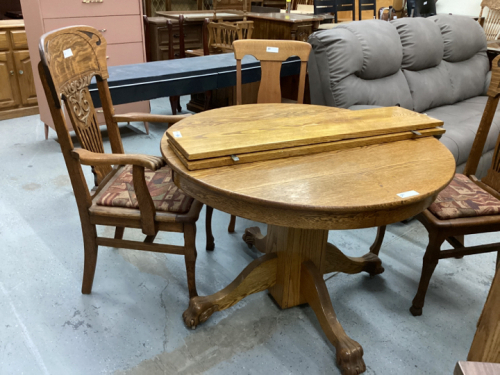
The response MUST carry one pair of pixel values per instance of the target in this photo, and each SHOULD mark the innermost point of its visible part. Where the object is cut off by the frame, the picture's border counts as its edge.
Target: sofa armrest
(487, 82)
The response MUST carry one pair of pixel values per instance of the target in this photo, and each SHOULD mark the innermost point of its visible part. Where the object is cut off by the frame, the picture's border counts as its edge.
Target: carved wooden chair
(132, 191)
(271, 54)
(491, 23)
(467, 206)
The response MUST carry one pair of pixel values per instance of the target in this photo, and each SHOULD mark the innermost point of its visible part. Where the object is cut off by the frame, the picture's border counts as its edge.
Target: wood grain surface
(353, 188)
(261, 127)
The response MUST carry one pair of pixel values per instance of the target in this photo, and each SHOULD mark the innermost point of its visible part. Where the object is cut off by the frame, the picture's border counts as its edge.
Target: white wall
(461, 7)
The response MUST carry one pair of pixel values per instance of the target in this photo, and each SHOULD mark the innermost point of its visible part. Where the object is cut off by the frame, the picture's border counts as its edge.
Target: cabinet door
(25, 77)
(8, 97)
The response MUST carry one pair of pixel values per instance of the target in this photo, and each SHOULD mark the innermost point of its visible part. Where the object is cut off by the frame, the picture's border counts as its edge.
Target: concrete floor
(131, 323)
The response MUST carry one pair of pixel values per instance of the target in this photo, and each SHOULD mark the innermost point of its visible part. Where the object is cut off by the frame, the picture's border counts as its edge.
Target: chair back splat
(491, 23)
(492, 178)
(271, 54)
(75, 55)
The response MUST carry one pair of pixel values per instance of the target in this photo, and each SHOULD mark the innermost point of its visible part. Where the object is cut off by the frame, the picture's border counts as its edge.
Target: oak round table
(300, 199)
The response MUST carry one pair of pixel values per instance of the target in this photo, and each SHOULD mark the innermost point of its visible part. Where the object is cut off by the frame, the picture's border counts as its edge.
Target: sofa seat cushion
(461, 121)
(463, 198)
(167, 197)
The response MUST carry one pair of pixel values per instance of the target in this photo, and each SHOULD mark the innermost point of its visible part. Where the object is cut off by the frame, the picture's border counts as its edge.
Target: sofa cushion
(374, 36)
(468, 77)
(421, 42)
(461, 121)
(463, 198)
(463, 37)
(430, 88)
(388, 91)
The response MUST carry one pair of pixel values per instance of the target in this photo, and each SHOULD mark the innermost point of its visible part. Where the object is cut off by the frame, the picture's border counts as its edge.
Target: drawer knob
(21, 72)
(102, 30)
(107, 57)
(11, 72)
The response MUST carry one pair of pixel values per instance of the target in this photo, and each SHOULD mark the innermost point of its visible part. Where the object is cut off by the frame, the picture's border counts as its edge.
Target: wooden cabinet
(119, 21)
(17, 87)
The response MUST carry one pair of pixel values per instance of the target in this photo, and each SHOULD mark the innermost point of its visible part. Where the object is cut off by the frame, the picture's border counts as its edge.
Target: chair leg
(231, 225)
(90, 260)
(190, 257)
(175, 104)
(208, 99)
(208, 228)
(375, 248)
(431, 259)
(119, 233)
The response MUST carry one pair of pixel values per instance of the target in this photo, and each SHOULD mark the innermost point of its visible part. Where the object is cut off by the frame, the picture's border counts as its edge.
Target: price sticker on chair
(272, 49)
(177, 134)
(407, 194)
(67, 53)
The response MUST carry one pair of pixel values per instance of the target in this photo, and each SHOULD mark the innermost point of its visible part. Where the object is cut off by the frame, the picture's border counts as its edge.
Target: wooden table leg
(256, 277)
(337, 261)
(314, 291)
(253, 237)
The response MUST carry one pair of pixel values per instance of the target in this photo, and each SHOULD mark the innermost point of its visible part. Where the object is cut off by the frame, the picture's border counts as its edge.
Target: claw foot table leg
(256, 277)
(314, 291)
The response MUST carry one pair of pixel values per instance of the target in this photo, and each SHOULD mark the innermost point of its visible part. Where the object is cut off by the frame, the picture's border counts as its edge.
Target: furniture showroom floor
(132, 324)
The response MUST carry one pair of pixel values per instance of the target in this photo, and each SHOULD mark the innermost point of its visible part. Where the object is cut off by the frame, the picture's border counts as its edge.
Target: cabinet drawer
(115, 29)
(77, 8)
(4, 42)
(124, 54)
(19, 40)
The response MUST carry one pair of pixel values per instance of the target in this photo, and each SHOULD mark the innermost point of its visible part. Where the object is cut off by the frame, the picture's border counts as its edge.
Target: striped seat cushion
(463, 198)
(166, 196)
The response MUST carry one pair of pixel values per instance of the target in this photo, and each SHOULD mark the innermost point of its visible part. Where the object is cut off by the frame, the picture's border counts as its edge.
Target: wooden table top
(286, 17)
(344, 189)
(262, 127)
(200, 15)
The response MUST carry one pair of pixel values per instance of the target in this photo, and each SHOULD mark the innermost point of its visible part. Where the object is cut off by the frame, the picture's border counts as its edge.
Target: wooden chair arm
(136, 116)
(95, 159)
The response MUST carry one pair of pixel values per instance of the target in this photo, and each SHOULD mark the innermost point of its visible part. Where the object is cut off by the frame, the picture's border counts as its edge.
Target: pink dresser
(120, 21)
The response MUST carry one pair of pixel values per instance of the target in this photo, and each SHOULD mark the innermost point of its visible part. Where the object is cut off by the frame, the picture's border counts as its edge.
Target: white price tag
(67, 53)
(177, 134)
(272, 49)
(408, 194)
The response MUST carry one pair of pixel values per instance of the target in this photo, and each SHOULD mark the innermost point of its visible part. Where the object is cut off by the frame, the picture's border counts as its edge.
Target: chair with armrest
(467, 206)
(491, 24)
(132, 191)
(271, 54)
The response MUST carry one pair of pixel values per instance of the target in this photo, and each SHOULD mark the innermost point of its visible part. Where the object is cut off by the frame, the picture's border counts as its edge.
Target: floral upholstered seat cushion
(166, 196)
(463, 198)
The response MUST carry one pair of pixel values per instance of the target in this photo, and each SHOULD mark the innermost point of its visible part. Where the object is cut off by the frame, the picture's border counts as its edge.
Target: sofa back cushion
(417, 63)
(358, 63)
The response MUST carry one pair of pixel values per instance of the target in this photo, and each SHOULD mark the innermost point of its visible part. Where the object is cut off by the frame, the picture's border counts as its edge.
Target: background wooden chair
(467, 206)
(132, 191)
(345, 6)
(270, 65)
(326, 6)
(367, 5)
(491, 23)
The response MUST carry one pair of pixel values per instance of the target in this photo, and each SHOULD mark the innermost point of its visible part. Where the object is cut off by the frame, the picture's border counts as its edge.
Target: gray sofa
(435, 65)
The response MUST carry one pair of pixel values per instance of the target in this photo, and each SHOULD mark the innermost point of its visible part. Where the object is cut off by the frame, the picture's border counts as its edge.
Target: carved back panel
(71, 57)
(271, 54)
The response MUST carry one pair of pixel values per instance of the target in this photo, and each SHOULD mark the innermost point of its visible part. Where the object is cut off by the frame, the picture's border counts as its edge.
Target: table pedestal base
(292, 269)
